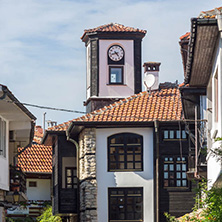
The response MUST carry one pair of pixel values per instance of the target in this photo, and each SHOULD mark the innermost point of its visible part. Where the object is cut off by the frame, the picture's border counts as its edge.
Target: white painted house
(17, 128)
(204, 71)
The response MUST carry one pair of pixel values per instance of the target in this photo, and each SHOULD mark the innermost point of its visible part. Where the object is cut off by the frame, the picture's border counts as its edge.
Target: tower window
(115, 75)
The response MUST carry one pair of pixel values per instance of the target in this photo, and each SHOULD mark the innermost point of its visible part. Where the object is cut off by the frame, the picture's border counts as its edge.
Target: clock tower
(113, 61)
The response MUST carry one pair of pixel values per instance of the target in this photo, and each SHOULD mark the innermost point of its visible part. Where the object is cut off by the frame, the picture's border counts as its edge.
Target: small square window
(178, 134)
(171, 134)
(32, 184)
(115, 75)
(184, 135)
(166, 134)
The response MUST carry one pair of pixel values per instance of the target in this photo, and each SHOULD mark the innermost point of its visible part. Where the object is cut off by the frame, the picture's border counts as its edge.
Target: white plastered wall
(41, 192)
(127, 89)
(107, 179)
(4, 162)
(215, 130)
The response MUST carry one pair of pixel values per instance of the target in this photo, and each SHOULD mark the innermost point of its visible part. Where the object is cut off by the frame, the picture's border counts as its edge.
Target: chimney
(151, 75)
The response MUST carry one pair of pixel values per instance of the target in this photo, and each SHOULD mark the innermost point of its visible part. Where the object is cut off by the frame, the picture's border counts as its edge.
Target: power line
(47, 107)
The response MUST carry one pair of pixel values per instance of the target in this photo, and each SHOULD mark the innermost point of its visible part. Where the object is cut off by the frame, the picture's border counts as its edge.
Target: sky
(43, 59)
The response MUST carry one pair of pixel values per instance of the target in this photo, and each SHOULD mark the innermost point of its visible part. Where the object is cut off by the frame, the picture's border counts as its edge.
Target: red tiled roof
(211, 14)
(36, 159)
(113, 27)
(61, 127)
(185, 36)
(163, 105)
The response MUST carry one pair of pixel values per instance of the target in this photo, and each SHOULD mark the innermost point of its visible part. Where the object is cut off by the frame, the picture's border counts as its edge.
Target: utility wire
(46, 107)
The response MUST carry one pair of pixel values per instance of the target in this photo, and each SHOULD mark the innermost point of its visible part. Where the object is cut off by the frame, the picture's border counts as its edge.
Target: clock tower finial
(113, 63)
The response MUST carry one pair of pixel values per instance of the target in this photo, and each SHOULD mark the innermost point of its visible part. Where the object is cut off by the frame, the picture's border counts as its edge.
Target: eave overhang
(203, 41)
(190, 98)
(107, 35)
(76, 127)
(47, 138)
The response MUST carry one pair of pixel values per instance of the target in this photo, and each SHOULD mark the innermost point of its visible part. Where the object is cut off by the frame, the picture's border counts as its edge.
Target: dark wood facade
(174, 199)
(65, 198)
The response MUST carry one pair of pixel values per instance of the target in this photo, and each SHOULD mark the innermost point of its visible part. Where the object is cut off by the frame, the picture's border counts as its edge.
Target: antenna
(149, 80)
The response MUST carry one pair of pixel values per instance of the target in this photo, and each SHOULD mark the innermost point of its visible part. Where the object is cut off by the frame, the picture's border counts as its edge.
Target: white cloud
(42, 58)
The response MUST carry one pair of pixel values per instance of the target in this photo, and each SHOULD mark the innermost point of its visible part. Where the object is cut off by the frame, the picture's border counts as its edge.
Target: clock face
(116, 53)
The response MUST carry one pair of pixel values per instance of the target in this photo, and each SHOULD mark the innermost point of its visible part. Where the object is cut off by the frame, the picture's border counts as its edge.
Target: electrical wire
(47, 107)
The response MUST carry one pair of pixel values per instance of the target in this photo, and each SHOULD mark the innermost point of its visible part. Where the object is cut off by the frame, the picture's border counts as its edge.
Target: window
(126, 204)
(116, 75)
(174, 172)
(125, 152)
(174, 134)
(71, 178)
(32, 184)
(2, 137)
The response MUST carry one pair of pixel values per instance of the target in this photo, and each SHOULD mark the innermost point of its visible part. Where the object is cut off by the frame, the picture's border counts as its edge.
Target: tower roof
(113, 27)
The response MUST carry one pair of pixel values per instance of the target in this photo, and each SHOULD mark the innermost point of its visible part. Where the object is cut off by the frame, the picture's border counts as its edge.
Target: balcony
(17, 183)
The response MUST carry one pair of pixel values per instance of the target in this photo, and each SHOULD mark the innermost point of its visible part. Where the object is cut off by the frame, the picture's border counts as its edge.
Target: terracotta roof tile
(36, 159)
(211, 14)
(163, 105)
(113, 27)
(186, 36)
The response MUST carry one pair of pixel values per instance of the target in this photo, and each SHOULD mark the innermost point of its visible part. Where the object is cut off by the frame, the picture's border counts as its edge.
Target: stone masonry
(87, 171)
(2, 210)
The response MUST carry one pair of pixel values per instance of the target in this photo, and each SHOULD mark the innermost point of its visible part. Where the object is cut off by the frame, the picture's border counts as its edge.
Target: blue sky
(42, 58)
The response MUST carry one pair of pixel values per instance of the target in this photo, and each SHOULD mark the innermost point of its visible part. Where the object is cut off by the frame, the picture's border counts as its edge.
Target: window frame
(125, 153)
(127, 192)
(122, 71)
(175, 162)
(175, 135)
(73, 184)
(32, 183)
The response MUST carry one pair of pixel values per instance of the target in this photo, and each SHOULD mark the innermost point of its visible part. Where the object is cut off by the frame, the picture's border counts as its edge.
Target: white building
(204, 72)
(17, 128)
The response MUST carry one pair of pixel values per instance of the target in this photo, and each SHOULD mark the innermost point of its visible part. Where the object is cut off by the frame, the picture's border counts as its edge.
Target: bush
(48, 217)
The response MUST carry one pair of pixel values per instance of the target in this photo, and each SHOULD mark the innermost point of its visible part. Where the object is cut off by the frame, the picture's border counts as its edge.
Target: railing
(17, 179)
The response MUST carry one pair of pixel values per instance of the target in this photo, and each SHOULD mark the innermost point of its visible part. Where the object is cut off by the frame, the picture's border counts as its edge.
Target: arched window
(125, 152)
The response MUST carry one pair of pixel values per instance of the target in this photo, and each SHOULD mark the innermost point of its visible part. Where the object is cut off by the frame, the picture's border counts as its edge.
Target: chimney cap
(151, 63)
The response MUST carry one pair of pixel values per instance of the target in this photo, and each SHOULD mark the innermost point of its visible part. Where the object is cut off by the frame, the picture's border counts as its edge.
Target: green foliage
(170, 218)
(48, 217)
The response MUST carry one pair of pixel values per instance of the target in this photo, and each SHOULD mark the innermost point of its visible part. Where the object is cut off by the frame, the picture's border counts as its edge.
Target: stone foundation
(87, 171)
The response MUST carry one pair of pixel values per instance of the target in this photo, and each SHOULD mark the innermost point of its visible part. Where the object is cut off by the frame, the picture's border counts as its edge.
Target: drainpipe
(156, 159)
(77, 166)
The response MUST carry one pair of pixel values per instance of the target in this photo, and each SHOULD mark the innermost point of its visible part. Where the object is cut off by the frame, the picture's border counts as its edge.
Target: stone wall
(87, 171)
(2, 210)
